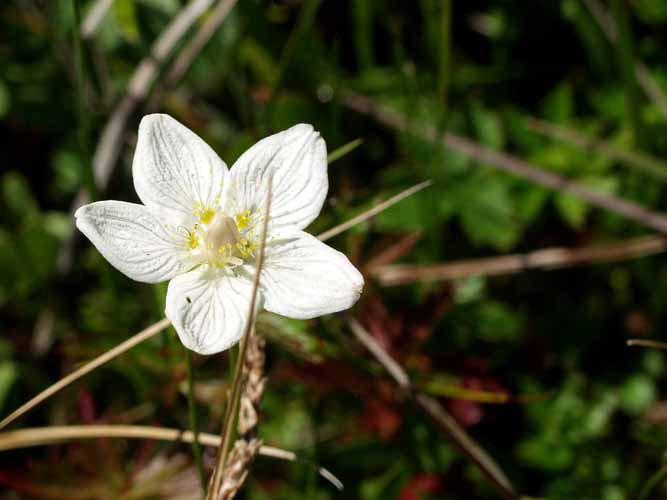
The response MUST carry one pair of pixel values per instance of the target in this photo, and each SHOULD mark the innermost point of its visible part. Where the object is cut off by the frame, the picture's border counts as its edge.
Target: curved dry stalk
(233, 401)
(95, 17)
(507, 163)
(42, 436)
(368, 214)
(438, 414)
(647, 343)
(143, 335)
(546, 258)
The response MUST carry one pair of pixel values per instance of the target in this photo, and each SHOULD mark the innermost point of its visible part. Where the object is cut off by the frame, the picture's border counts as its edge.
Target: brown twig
(507, 163)
(547, 258)
(438, 414)
(40, 436)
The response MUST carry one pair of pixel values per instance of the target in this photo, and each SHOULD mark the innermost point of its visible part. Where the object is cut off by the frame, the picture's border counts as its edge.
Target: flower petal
(174, 170)
(209, 310)
(133, 240)
(297, 158)
(303, 278)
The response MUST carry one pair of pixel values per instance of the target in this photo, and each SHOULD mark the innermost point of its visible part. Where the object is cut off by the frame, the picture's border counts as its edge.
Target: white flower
(200, 224)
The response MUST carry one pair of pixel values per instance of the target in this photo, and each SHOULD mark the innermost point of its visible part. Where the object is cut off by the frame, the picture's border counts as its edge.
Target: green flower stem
(83, 116)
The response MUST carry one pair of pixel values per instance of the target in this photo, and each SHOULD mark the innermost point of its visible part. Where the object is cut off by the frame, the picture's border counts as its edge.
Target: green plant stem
(345, 149)
(652, 483)
(306, 18)
(194, 421)
(83, 116)
(626, 64)
(445, 51)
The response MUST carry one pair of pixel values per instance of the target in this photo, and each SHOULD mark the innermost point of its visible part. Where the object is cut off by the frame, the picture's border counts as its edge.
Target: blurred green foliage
(584, 415)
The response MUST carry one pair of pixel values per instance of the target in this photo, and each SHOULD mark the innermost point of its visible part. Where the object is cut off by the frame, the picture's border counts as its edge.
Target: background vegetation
(532, 362)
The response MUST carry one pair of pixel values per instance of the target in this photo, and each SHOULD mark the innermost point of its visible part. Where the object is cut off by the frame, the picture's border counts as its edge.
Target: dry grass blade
(85, 369)
(41, 436)
(232, 404)
(647, 343)
(344, 150)
(368, 214)
(547, 258)
(95, 16)
(438, 414)
(508, 163)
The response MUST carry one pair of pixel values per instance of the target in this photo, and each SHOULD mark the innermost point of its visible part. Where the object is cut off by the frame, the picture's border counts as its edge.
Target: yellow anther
(243, 219)
(193, 240)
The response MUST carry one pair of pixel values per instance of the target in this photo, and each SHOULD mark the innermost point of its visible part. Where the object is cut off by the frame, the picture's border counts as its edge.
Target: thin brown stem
(368, 214)
(647, 343)
(41, 436)
(438, 414)
(140, 337)
(546, 258)
(232, 404)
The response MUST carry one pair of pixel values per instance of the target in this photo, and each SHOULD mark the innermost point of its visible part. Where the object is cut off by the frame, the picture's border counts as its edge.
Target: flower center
(223, 233)
(220, 240)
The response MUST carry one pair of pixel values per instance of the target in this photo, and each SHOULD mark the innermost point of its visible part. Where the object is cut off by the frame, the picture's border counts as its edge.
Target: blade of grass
(345, 149)
(303, 23)
(233, 401)
(653, 481)
(608, 26)
(83, 116)
(140, 337)
(41, 436)
(194, 421)
(380, 207)
(445, 51)
(626, 65)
